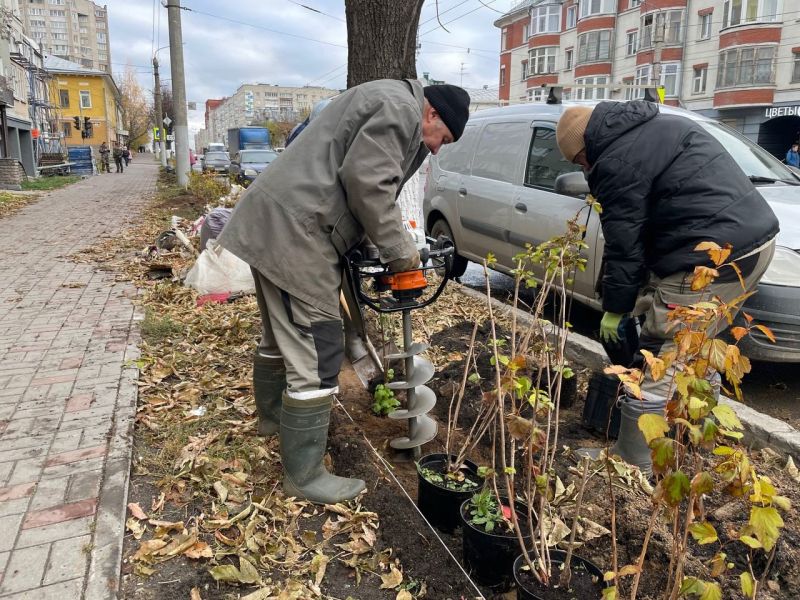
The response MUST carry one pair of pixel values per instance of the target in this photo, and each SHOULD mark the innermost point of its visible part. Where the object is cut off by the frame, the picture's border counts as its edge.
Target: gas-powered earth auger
(387, 292)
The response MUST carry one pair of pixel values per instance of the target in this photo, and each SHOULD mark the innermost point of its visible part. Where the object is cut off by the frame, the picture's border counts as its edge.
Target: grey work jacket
(335, 183)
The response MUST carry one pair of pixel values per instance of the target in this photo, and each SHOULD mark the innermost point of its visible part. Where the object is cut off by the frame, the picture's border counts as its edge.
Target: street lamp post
(162, 144)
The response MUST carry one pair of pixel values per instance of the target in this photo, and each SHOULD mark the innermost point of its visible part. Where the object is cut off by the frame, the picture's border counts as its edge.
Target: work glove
(609, 327)
(404, 263)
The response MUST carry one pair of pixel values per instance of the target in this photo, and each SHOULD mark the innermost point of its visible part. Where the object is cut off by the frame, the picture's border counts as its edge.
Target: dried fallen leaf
(195, 594)
(199, 550)
(146, 549)
(404, 595)
(137, 511)
(136, 527)
(391, 579)
(318, 565)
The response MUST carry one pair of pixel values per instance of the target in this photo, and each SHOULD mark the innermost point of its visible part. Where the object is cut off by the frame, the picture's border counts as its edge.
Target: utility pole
(659, 28)
(178, 92)
(159, 116)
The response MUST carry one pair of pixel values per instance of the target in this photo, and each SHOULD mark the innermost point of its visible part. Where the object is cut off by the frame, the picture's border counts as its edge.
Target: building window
(594, 46)
(735, 12)
(705, 26)
(63, 98)
(634, 3)
(524, 70)
(641, 81)
(568, 54)
(669, 78)
(537, 95)
(572, 17)
(542, 60)
(746, 66)
(589, 93)
(504, 40)
(526, 32)
(589, 8)
(632, 45)
(796, 69)
(630, 91)
(547, 18)
(673, 20)
(66, 129)
(699, 80)
(503, 75)
(86, 99)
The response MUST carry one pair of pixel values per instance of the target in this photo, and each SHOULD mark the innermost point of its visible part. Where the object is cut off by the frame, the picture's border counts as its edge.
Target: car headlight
(250, 173)
(784, 268)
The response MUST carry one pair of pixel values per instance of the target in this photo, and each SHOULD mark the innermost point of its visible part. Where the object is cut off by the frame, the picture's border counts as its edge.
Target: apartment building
(75, 30)
(737, 61)
(258, 102)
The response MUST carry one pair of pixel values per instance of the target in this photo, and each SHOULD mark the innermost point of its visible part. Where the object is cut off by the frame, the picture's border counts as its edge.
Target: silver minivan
(495, 190)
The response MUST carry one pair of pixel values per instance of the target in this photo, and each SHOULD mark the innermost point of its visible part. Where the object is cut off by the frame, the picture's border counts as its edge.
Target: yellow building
(79, 93)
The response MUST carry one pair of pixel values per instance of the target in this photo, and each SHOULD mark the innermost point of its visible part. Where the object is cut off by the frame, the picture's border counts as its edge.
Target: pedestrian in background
(117, 154)
(104, 163)
(793, 156)
(126, 155)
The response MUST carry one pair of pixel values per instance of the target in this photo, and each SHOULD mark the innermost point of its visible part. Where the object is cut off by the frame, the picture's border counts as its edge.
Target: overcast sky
(281, 42)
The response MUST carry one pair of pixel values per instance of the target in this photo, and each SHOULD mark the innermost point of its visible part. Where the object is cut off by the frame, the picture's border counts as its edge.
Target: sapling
(693, 425)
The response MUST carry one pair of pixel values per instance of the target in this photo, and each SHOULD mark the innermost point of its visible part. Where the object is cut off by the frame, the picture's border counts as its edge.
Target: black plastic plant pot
(528, 588)
(601, 403)
(489, 557)
(439, 504)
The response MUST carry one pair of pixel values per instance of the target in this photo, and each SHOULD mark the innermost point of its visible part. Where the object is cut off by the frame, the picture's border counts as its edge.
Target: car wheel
(441, 227)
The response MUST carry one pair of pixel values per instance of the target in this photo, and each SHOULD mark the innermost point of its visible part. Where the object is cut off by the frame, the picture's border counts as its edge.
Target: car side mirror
(572, 184)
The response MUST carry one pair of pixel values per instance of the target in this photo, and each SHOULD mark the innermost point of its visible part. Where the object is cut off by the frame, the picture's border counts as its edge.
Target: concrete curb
(760, 429)
(105, 564)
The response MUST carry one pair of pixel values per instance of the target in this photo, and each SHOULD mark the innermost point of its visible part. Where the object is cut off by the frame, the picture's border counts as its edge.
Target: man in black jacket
(665, 185)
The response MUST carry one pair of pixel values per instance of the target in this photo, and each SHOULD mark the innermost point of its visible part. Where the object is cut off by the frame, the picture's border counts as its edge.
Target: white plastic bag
(217, 271)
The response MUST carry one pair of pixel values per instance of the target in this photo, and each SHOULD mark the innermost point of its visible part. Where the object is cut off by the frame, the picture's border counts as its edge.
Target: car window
(498, 152)
(264, 156)
(752, 159)
(456, 157)
(217, 155)
(545, 161)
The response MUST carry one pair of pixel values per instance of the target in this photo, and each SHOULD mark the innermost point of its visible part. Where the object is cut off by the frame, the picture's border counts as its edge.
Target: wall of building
(703, 40)
(75, 30)
(103, 111)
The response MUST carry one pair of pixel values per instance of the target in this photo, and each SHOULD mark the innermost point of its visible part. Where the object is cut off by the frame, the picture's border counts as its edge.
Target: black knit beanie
(452, 104)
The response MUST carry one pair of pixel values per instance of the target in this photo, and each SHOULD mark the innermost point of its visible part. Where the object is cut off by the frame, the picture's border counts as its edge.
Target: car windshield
(757, 163)
(258, 156)
(217, 156)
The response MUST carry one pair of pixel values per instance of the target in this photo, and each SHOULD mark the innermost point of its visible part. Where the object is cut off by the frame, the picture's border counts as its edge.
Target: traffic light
(77, 121)
(87, 127)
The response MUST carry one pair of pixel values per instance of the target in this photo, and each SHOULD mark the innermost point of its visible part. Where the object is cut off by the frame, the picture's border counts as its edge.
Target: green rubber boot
(269, 383)
(304, 438)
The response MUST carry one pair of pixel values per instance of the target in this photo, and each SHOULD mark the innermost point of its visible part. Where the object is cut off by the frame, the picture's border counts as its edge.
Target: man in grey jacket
(334, 185)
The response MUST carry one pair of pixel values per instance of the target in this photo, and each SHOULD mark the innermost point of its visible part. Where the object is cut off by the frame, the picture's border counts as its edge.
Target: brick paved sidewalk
(67, 392)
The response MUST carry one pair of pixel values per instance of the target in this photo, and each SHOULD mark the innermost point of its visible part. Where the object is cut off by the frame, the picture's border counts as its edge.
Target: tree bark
(381, 39)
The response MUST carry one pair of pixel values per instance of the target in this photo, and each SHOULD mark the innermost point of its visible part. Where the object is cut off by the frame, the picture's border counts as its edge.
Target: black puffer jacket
(665, 185)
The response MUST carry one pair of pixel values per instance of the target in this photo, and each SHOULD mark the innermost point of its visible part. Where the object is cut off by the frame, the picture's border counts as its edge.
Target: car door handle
(521, 207)
(462, 191)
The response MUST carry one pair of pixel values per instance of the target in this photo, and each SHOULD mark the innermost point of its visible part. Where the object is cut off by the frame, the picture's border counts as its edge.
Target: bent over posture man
(334, 184)
(665, 184)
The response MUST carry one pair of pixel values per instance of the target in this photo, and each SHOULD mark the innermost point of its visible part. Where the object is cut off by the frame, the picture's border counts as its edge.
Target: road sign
(167, 121)
(170, 137)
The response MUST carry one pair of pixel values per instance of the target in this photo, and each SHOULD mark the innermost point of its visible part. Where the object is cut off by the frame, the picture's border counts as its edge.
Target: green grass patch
(53, 182)
(156, 329)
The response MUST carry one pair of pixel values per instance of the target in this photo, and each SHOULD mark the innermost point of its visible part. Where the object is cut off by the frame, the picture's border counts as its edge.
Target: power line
(253, 25)
(459, 17)
(312, 9)
(442, 12)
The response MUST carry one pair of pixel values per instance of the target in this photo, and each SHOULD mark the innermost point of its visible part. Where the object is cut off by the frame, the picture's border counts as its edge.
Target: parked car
(216, 162)
(247, 164)
(505, 184)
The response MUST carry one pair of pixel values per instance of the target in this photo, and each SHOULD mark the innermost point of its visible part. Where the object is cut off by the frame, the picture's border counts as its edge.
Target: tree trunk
(381, 39)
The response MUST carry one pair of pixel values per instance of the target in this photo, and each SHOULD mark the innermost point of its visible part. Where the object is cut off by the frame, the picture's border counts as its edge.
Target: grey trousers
(660, 295)
(309, 340)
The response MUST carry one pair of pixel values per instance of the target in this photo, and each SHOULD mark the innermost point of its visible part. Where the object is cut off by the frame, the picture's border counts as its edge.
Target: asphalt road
(772, 388)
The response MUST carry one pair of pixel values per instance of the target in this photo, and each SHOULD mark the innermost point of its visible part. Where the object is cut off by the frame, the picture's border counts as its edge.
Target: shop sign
(782, 111)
